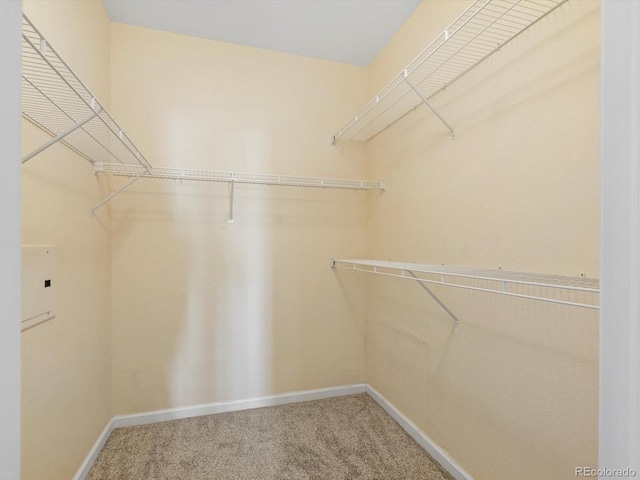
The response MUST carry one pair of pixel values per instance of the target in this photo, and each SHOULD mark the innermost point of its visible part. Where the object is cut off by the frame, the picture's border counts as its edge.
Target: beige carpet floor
(339, 438)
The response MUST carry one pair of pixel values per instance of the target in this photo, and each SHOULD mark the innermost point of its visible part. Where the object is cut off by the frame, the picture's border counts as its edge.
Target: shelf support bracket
(120, 190)
(433, 295)
(231, 195)
(58, 137)
(453, 135)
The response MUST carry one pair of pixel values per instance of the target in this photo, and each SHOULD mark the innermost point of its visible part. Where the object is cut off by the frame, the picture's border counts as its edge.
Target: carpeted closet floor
(339, 438)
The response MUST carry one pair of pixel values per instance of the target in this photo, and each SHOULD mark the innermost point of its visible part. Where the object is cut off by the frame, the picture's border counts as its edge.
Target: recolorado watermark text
(605, 472)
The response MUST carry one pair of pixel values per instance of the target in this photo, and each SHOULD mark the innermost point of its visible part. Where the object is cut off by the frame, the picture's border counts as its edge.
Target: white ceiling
(346, 31)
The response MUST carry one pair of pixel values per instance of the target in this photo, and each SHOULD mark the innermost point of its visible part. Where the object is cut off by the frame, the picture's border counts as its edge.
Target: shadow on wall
(225, 336)
(191, 299)
(207, 311)
(149, 261)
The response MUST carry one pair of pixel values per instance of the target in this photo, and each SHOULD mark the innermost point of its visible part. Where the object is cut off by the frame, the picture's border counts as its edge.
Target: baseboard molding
(419, 436)
(294, 397)
(208, 409)
(222, 407)
(85, 468)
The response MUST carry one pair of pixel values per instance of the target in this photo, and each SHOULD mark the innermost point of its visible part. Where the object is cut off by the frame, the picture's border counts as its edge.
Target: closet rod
(513, 284)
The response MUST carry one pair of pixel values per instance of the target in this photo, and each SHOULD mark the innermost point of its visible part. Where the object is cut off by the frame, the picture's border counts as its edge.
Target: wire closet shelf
(60, 104)
(137, 172)
(478, 32)
(236, 177)
(572, 291)
(56, 101)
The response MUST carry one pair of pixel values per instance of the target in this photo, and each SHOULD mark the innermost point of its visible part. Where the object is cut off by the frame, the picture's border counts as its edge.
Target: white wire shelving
(578, 292)
(236, 177)
(477, 33)
(59, 103)
(136, 172)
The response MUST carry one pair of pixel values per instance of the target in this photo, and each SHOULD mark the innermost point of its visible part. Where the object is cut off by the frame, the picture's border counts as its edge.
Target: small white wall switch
(38, 285)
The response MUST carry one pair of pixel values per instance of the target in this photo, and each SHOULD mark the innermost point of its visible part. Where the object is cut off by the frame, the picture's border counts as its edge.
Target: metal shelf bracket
(425, 101)
(100, 168)
(232, 188)
(456, 322)
(59, 137)
(435, 297)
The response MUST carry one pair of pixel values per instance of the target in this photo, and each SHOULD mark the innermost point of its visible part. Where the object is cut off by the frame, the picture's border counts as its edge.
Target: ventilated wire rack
(482, 29)
(59, 103)
(572, 291)
(235, 177)
(137, 172)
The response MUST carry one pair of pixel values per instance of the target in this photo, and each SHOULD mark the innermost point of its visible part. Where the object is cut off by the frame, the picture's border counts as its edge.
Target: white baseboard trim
(85, 468)
(222, 407)
(419, 436)
(294, 397)
(208, 409)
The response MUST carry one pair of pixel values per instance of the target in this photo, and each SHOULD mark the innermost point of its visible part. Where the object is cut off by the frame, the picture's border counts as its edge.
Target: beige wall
(514, 393)
(205, 311)
(66, 371)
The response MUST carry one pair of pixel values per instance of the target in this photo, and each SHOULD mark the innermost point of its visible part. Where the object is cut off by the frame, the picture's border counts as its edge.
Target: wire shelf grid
(573, 291)
(235, 177)
(58, 102)
(478, 32)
